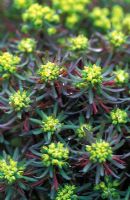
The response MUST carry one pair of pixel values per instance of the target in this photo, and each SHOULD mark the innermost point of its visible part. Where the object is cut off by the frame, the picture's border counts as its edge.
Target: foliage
(64, 100)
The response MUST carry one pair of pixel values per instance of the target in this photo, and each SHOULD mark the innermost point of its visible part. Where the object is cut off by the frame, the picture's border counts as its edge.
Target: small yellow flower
(80, 131)
(67, 192)
(121, 76)
(8, 63)
(27, 45)
(91, 76)
(78, 43)
(99, 152)
(49, 72)
(118, 116)
(116, 38)
(19, 100)
(20, 4)
(51, 124)
(10, 171)
(39, 15)
(55, 154)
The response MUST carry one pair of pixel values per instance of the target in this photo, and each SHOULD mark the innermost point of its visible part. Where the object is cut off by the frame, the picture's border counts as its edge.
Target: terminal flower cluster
(51, 124)
(55, 154)
(10, 171)
(49, 72)
(19, 100)
(119, 116)
(99, 152)
(68, 192)
(27, 45)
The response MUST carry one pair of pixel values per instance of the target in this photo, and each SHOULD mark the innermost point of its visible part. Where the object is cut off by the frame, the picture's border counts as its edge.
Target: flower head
(80, 131)
(68, 192)
(20, 4)
(126, 23)
(49, 72)
(27, 45)
(19, 100)
(108, 188)
(67, 6)
(119, 116)
(121, 76)
(116, 38)
(8, 63)
(91, 76)
(37, 15)
(99, 152)
(78, 43)
(10, 171)
(55, 154)
(51, 124)
(100, 18)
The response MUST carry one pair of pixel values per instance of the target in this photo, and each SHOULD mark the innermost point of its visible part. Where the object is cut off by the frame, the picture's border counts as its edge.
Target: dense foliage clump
(64, 99)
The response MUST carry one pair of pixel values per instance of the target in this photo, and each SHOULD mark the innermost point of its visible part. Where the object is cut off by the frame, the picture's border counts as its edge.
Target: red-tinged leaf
(118, 159)
(94, 108)
(110, 83)
(55, 181)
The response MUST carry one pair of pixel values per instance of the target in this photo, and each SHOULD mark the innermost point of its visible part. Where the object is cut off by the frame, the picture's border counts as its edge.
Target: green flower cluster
(37, 16)
(100, 18)
(91, 76)
(78, 43)
(68, 192)
(19, 100)
(119, 116)
(69, 6)
(116, 38)
(106, 19)
(99, 152)
(121, 76)
(10, 171)
(49, 72)
(126, 23)
(22, 4)
(117, 15)
(80, 131)
(8, 64)
(72, 9)
(108, 189)
(27, 45)
(51, 124)
(55, 155)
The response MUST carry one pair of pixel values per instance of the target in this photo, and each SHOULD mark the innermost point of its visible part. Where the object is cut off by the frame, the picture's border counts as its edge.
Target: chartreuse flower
(117, 15)
(27, 45)
(10, 171)
(55, 154)
(78, 43)
(68, 192)
(99, 17)
(22, 4)
(69, 6)
(37, 16)
(99, 152)
(8, 64)
(119, 116)
(49, 72)
(108, 188)
(19, 100)
(72, 20)
(80, 131)
(126, 23)
(91, 76)
(51, 124)
(116, 38)
(121, 76)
